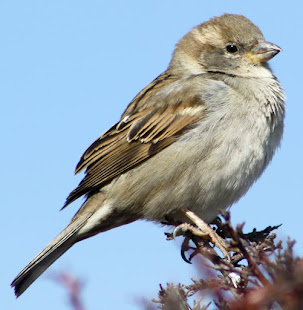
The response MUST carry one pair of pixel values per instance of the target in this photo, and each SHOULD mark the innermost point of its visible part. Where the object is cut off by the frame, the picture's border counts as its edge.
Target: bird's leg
(203, 230)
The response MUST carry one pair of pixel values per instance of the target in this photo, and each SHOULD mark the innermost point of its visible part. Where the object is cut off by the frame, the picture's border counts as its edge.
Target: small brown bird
(193, 141)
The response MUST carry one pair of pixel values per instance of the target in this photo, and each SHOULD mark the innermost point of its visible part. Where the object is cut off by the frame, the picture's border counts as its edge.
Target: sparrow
(191, 142)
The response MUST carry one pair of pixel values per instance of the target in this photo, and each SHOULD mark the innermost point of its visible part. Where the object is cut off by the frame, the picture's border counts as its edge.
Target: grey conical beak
(263, 51)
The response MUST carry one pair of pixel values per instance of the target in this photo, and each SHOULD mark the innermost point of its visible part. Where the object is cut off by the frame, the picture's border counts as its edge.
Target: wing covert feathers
(137, 137)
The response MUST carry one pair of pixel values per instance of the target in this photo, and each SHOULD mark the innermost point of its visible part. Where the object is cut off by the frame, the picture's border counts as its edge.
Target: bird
(192, 142)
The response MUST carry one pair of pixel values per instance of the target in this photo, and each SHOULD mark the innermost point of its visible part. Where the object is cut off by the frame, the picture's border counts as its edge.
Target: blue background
(67, 71)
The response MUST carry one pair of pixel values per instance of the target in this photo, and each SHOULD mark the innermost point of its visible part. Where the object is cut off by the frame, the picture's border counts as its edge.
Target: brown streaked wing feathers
(130, 142)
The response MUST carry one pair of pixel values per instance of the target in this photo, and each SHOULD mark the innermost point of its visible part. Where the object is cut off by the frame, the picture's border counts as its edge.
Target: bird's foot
(201, 229)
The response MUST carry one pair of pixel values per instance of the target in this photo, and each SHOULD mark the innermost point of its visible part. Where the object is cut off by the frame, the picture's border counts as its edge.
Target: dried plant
(72, 285)
(257, 274)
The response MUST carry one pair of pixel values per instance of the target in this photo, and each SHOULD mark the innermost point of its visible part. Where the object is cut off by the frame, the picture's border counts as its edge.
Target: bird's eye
(231, 48)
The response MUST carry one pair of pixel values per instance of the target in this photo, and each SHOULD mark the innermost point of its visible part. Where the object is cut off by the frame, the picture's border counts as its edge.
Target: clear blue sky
(67, 71)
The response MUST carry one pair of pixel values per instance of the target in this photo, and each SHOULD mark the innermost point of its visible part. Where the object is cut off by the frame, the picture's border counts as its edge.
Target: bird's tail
(49, 255)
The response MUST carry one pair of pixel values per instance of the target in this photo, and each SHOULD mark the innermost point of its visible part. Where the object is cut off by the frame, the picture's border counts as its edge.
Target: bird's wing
(134, 139)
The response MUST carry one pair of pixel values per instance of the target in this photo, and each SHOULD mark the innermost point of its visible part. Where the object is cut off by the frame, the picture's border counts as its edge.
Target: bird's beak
(263, 51)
